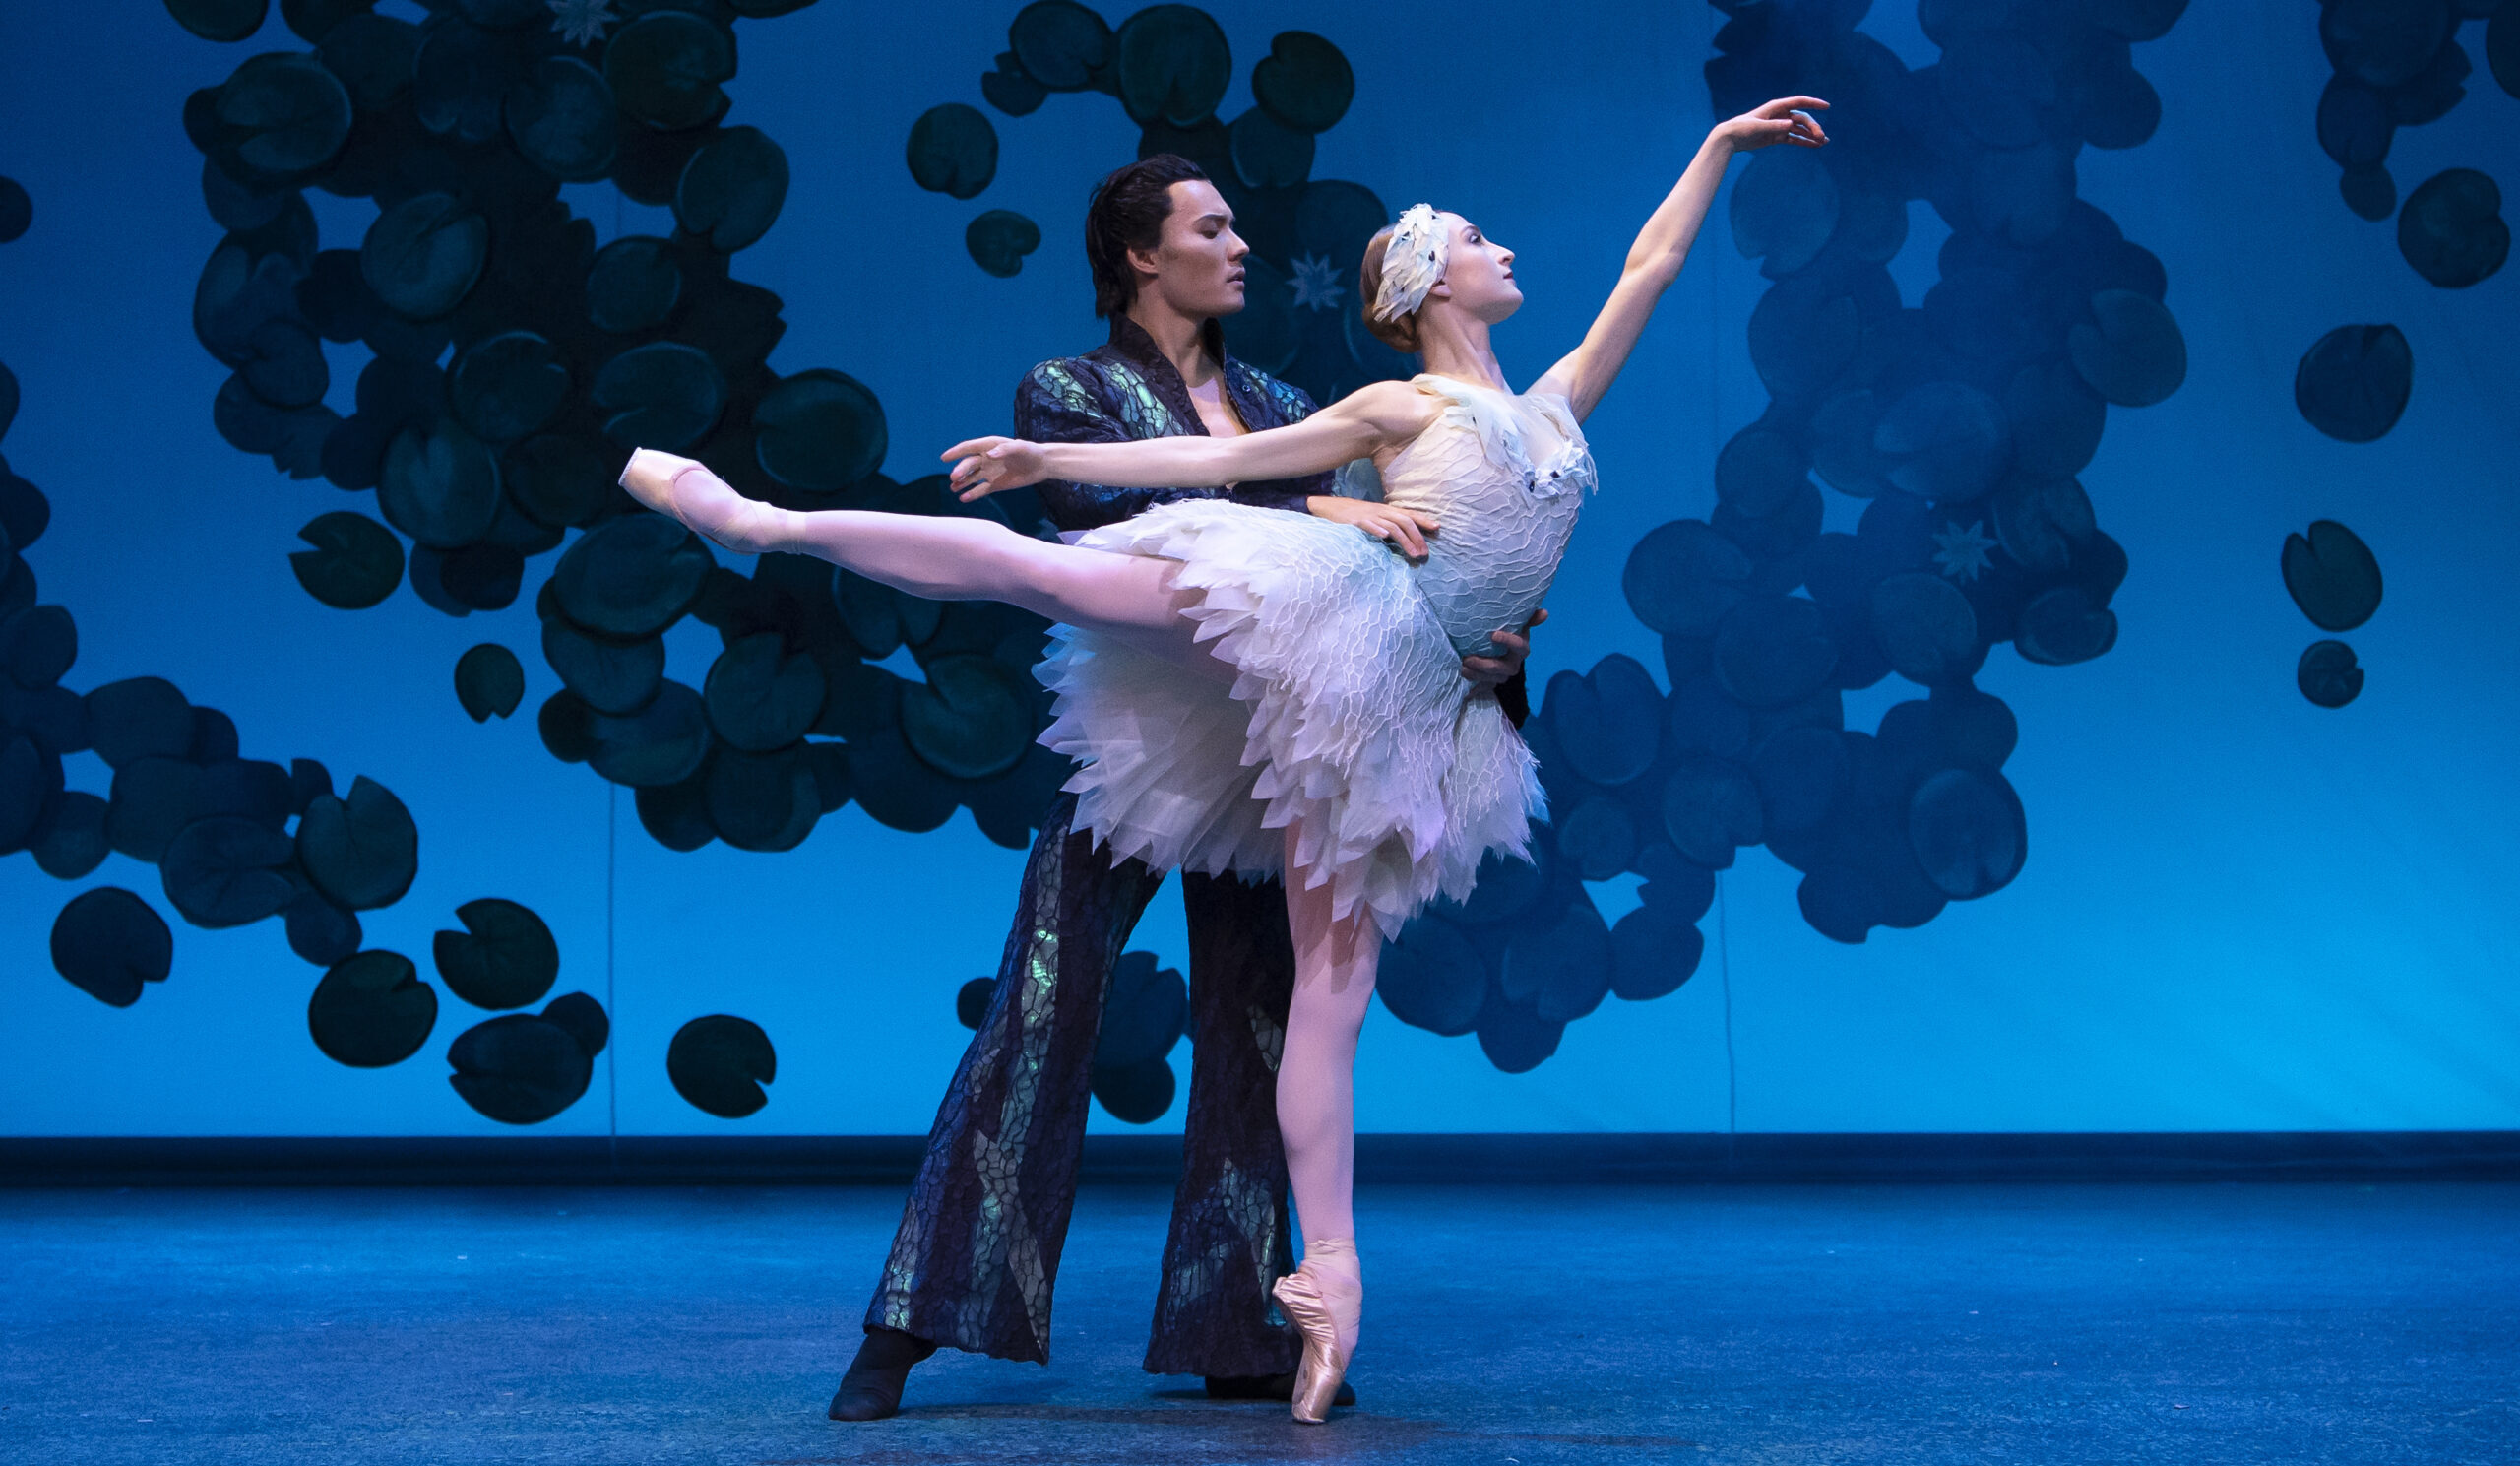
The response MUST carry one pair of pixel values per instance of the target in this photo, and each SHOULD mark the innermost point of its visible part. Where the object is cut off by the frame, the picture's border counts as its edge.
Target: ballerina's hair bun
(1399, 333)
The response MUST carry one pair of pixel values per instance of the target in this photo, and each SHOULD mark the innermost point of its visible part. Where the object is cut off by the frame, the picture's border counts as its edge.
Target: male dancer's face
(1196, 266)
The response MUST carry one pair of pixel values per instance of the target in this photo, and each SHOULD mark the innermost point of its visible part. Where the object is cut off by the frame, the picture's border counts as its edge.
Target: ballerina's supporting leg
(1335, 962)
(1129, 596)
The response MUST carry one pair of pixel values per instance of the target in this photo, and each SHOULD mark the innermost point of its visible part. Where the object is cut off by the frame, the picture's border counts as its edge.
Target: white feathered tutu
(1346, 709)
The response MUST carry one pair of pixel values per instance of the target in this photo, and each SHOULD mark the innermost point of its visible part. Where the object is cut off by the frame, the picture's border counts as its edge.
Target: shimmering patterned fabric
(978, 1253)
(1350, 713)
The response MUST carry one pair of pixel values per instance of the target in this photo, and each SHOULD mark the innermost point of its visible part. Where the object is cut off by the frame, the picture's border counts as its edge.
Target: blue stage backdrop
(1954, 708)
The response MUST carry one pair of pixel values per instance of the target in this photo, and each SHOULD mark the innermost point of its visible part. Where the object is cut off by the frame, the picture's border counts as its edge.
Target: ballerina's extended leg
(936, 557)
(1335, 959)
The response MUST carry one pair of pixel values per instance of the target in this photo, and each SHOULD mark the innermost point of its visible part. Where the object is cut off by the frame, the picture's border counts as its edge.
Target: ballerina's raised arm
(1654, 261)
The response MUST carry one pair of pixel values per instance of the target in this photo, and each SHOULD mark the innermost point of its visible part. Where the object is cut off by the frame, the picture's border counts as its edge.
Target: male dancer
(977, 1252)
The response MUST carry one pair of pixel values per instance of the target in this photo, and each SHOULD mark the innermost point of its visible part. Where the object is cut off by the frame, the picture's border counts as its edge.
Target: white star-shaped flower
(1316, 285)
(581, 23)
(1962, 553)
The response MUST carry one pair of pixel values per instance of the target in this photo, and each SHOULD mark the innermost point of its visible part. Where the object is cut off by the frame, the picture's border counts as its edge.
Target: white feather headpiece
(1412, 262)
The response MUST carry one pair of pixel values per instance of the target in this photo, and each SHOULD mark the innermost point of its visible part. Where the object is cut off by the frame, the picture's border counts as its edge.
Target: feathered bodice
(1504, 475)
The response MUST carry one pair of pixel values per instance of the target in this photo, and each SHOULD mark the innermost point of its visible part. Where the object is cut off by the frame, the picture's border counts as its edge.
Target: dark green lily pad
(1515, 1040)
(38, 646)
(507, 386)
(563, 121)
(611, 677)
(819, 431)
(1943, 441)
(72, 840)
(664, 68)
(1010, 90)
(285, 116)
(1682, 577)
(999, 239)
(582, 1018)
(1135, 1094)
(677, 815)
(566, 725)
(1432, 977)
(972, 719)
(489, 681)
(972, 1001)
(1784, 209)
(733, 189)
(1801, 772)
(662, 743)
(440, 486)
(663, 395)
(2451, 230)
(2354, 382)
(107, 942)
(2332, 576)
(519, 1070)
(1654, 949)
(422, 256)
(477, 577)
(227, 871)
(1926, 627)
(1142, 1011)
(2063, 626)
(1562, 971)
(1267, 153)
(1607, 722)
(720, 1063)
(2327, 674)
(1968, 831)
(2383, 43)
(952, 150)
(1711, 806)
(505, 957)
(1060, 44)
(29, 781)
(9, 398)
(1599, 838)
(2503, 48)
(1841, 902)
(138, 718)
(361, 851)
(320, 931)
(2134, 356)
(633, 284)
(631, 577)
(220, 20)
(1172, 65)
(1333, 219)
(1304, 82)
(557, 479)
(461, 80)
(17, 216)
(374, 55)
(762, 801)
(371, 1010)
(894, 785)
(1803, 333)
(1771, 651)
(762, 696)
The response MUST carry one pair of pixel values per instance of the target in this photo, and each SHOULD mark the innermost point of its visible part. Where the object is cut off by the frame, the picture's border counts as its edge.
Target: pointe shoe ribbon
(1325, 1297)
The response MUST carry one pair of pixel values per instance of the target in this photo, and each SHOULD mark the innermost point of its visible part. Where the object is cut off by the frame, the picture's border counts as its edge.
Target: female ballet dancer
(1325, 730)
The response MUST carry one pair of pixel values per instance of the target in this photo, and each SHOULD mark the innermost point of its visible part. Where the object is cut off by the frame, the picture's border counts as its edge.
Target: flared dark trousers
(977, 1254)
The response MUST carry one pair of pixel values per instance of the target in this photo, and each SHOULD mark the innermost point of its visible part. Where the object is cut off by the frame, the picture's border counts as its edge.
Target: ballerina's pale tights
(1130, 596)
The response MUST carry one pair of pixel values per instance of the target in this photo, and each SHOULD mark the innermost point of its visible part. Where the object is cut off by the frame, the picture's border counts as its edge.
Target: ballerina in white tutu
(1265, 692)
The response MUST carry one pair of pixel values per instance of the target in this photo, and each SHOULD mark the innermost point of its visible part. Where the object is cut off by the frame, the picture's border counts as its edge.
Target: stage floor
(2051, 1324)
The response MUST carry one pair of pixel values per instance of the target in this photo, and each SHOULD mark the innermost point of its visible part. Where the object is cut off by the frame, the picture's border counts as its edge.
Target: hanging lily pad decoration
(17, 216)
(423, 255)
(1060, 44)
(507, 386)
(1304, 82)
(2354, 382)
(1172, 65)
(2332, 576)
(489, 681)
(999, 239)
(633, 286)
(361, 851)
(720, 1064)
(372, 1011)
(664, 68)
(820, 431)
(2451, 230)
(440, 486)
(953, 151)
(733, 189)
(504, 958)
(762, 696)
(2328, 676)
(631, 577)
(109, 942)
(523, 1069)
(220, 20)
(320, 931)
(227, 871)
(663, 395)
(563, 119)
(971, 718)
(283, 115)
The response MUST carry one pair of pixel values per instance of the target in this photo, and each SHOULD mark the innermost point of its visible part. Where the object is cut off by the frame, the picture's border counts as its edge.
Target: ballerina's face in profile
(1479, 273)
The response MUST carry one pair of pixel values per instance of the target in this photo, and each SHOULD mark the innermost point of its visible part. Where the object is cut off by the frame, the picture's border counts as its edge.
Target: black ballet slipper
(872, 1387)
(1280, 1387)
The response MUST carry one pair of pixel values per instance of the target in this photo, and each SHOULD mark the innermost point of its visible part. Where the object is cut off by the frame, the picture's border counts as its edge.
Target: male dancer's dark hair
(1126, 212)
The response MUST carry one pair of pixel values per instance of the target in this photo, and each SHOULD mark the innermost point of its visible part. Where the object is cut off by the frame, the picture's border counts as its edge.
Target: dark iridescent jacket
(1124, 391)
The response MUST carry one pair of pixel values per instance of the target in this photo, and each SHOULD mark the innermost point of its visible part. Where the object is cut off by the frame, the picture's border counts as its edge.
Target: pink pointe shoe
(685, 490)
(1326, 1300)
